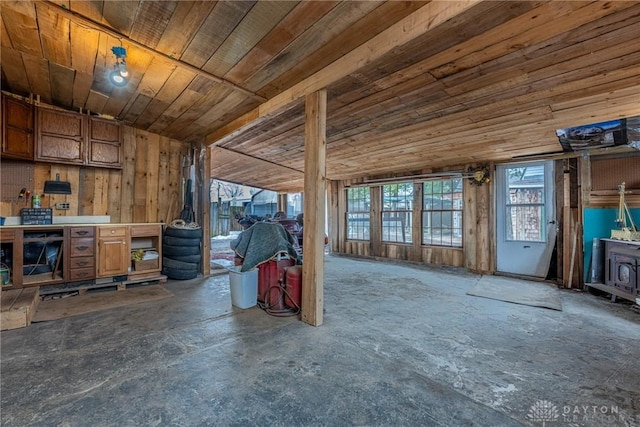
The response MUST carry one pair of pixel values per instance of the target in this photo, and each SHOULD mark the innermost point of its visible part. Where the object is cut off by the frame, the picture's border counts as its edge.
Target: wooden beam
(206, 214)
(314, 207)
(113, 33)
(418, 23)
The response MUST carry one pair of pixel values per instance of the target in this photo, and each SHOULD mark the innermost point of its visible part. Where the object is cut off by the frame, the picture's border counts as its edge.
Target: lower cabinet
(114, 256)
(50, 255)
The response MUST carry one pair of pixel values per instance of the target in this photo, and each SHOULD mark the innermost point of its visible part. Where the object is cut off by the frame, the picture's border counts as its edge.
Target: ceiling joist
(155, 53)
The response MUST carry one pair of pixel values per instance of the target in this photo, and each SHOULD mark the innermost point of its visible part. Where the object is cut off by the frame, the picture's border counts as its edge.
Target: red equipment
(270, 278)
(293, 287)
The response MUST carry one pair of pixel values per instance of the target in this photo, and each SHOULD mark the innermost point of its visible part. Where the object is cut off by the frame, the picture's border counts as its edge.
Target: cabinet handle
(82, 232)
(83, 274)
(82, 248)
(83, 263)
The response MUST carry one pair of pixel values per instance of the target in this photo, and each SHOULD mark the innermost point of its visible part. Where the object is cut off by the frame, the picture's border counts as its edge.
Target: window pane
(525, 204)
(396, 226)
(442, 212)
(358, 226)
(358, 205)
(397, 207)
(525, 223)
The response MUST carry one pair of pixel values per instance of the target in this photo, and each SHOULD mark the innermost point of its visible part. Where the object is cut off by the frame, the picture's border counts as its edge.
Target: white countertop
(81, 219)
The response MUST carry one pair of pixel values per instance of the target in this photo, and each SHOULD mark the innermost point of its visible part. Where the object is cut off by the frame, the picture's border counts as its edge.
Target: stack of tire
(181, 250)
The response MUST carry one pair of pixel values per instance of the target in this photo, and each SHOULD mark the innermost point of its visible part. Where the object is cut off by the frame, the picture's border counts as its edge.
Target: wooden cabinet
(113, 250)
(146, 238)
(104, 147)
(76, 139)
(10, 254)
(17, 129)
(60, 137)
(42, 254)
(81, 251)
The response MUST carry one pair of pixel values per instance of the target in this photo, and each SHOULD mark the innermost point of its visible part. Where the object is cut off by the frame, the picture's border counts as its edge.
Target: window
(442, 212)
(295, 204)
(525, 211)
(397, 207)
(358, 205)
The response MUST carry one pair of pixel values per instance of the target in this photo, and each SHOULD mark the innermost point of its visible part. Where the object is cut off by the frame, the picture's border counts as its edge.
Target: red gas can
(270, 275)
(293, 287)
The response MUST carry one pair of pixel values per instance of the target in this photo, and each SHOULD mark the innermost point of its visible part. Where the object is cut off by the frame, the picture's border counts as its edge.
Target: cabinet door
(60, 137)
(114, 256)
(17, 129)
(105, 143)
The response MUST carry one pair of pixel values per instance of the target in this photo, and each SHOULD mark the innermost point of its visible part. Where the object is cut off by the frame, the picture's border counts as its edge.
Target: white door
(526, 230)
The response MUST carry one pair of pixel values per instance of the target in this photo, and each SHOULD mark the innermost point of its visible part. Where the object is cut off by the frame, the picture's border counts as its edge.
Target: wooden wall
(147, 189)
(475, 255)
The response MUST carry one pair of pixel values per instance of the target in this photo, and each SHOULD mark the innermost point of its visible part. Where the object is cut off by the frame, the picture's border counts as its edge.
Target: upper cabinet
(17, 129)
(60, 137)
(105, 143)
(72, 138)
(57, 136)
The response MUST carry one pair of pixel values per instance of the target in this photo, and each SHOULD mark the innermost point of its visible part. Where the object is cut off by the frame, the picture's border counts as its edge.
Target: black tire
(196, 259)
(171, 251)
(180, 265)
(179, 241)
(184, 233)
(178, 274)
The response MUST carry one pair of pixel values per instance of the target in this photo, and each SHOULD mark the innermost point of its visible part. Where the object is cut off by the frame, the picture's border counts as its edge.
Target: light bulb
(123, 69)
(117, 79)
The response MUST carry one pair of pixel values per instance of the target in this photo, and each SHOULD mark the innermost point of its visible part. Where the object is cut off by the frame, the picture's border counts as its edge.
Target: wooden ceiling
(412, 86)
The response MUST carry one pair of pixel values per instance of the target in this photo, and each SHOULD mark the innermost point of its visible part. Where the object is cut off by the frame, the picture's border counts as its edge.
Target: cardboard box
(148, 264)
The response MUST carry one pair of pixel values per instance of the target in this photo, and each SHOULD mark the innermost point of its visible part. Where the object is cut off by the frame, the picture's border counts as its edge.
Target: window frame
(403, 217)
(455, 213)
(363, 216)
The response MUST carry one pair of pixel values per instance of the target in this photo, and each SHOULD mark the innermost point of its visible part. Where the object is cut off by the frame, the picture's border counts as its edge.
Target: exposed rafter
(113, 33)
(418, 23)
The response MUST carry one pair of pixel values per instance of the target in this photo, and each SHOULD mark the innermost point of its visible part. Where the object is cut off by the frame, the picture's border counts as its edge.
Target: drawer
(7, 235)
(82, 232)
(146, 230)
(112, 231)
(82, 274)
(82, 247)
(82, 262)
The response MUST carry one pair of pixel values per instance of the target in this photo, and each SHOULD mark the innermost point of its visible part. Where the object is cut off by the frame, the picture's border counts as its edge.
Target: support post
(315, 141)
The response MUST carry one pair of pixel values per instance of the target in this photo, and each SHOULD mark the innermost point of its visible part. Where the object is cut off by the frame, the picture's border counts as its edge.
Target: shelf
(38, 279)
(43, 239)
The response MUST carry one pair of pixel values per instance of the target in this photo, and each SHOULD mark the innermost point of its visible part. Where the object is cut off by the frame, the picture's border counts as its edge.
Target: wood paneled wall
(476, 254)
(149, 188)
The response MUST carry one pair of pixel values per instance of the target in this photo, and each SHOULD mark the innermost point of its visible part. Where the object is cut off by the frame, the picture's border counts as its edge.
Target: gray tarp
(262, 242)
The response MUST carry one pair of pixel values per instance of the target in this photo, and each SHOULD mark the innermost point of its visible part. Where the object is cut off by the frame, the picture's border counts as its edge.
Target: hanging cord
(267, 305)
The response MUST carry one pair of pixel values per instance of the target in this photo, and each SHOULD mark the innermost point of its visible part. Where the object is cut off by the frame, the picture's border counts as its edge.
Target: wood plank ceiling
(493, 82)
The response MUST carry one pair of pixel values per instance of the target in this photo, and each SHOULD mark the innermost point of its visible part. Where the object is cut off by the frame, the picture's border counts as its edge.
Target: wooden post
(315, 150)
(282, 202)
(206, 212)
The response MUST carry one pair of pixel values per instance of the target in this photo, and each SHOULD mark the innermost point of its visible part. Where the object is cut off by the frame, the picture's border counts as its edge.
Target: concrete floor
(400, 345)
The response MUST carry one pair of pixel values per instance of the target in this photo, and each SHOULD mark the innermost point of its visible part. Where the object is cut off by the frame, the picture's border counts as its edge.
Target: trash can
(244, 287)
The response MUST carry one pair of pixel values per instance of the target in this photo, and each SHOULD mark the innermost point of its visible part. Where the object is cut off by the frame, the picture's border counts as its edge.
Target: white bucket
(244, 287)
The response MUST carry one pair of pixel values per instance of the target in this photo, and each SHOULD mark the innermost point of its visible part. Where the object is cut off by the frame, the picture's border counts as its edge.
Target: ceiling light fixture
(120, 73)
